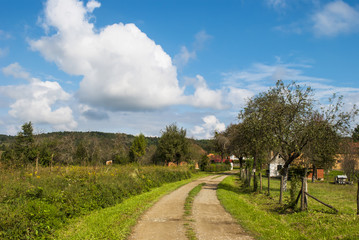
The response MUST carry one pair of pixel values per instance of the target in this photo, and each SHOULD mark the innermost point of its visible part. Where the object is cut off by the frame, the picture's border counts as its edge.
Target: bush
(217, 167)
(34, 206)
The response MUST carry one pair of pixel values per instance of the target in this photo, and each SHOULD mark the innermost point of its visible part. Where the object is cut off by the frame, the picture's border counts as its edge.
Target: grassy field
(265, 218)
(33, 205)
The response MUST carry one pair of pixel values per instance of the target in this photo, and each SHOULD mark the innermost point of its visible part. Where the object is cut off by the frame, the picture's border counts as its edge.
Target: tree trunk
(255, 184)
(285, 178)
(314, 173)
(260, 182)
(358, 199)
(281, 190)
(304, 201)
(241, 162)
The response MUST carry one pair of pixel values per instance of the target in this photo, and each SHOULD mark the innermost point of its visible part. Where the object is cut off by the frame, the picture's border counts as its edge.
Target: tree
(350, 152)
(138, 148)
(221, 143)
(355, 134)
(173, 145)
(254, 134)
(321, 155)
(288, 116)
(25, 148)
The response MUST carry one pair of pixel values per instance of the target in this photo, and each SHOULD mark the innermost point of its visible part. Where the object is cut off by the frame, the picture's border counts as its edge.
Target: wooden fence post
(268, 179)
(281, 190)
(304, 202)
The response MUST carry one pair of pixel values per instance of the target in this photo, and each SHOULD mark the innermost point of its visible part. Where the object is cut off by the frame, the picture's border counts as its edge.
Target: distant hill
(70, 147)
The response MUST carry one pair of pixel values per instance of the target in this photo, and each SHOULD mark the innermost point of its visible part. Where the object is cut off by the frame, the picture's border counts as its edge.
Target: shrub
(34, 206)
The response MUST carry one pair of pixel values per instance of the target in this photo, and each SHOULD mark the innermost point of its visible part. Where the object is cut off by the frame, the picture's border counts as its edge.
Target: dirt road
(165, 219)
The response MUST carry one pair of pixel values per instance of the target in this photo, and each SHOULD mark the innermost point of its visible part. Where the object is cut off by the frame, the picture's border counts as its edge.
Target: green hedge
(218, 167)
(33, 206)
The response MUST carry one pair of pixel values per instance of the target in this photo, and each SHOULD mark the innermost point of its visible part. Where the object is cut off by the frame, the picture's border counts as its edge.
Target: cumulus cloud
(335, 18)
(36, 100)
(91, 5)
(205, 97)
(122, 69)
(207, 129)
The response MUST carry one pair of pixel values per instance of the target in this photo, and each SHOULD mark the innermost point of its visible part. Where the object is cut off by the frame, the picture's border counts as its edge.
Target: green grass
(190, 233)
(115, 222)
(263, 216)
(33, 205)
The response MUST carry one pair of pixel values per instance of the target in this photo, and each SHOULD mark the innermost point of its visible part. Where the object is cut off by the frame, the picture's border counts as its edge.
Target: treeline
(95, 148)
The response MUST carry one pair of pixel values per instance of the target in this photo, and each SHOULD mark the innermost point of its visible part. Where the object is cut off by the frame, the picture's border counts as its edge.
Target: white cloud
(248, 82)
(207, 129)
(205, 97)
(91, 5)
(4, 52)
(335, 18)
(238, 97)
(260, 72)
(4, 35)
(277, 3)
(16, 71)
(184, 56)
(36, 101)
(122, 68)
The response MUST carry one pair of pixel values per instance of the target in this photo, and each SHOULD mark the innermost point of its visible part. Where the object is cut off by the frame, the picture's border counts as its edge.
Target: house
(217, 158)
(275, 165)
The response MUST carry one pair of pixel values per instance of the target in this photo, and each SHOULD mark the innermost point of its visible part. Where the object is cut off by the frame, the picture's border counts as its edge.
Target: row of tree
(286, 120)
(97, 148)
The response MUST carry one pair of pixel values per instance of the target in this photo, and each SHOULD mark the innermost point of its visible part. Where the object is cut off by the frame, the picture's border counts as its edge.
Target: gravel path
(164, 220)
(211, 221)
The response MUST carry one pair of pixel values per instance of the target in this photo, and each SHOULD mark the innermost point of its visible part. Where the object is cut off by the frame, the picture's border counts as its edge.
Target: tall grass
(34, 204)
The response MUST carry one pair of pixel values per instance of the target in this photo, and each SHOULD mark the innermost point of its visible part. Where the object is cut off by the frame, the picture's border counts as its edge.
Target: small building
(341, 179)
(275, 165)
(319, 174)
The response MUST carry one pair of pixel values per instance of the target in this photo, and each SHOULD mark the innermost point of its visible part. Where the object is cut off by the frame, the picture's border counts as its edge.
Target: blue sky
(136, 66)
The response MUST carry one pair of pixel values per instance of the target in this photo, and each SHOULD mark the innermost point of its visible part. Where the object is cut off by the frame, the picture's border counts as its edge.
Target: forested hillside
(88, 148)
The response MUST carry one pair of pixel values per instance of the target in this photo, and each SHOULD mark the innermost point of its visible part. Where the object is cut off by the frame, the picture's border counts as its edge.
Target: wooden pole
(281, 190)
(329, 206)
(37, 164)
(260, 181)
(52, 158)
(268, 180)
(302, 200)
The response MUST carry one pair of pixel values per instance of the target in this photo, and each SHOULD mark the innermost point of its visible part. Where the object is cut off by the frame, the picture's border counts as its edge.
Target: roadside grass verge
(265, 219)
(190, 233)
(115, 222)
